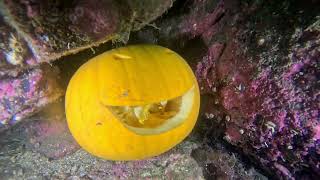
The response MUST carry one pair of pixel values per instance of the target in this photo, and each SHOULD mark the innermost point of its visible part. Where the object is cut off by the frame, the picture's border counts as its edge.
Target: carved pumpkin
(132, 102)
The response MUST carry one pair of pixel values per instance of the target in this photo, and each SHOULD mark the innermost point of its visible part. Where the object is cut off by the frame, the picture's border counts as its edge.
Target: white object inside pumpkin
(157, 117)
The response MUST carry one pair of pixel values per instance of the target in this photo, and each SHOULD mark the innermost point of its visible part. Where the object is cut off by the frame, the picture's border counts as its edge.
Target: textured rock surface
(26, 93)
(14, 51)
(51, 29)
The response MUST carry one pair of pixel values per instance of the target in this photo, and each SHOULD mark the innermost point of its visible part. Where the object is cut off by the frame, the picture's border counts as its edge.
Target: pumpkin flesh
(155, 118)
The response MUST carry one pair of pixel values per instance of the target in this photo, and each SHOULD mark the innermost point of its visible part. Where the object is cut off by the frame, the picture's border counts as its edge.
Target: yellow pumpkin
(132, 102)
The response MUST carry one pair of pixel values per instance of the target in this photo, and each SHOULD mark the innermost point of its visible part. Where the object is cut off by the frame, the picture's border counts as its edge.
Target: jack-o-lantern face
(132, 102)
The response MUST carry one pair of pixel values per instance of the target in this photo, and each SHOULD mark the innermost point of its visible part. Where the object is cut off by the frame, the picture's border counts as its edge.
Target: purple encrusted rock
(272, 110)
(54, 29)
(26, 93)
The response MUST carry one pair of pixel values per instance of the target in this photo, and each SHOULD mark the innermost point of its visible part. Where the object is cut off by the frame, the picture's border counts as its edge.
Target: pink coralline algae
(274, 117)
(287, 113)
(24, 94)
(272, 110)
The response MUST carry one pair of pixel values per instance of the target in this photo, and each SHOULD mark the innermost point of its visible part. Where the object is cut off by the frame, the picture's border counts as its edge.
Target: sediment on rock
(54, 29)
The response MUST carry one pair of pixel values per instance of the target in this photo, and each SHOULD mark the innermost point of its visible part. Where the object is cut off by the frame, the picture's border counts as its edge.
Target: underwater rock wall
(54, 29)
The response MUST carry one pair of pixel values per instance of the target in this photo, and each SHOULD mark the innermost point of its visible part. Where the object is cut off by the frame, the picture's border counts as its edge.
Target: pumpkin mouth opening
(157, 117)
